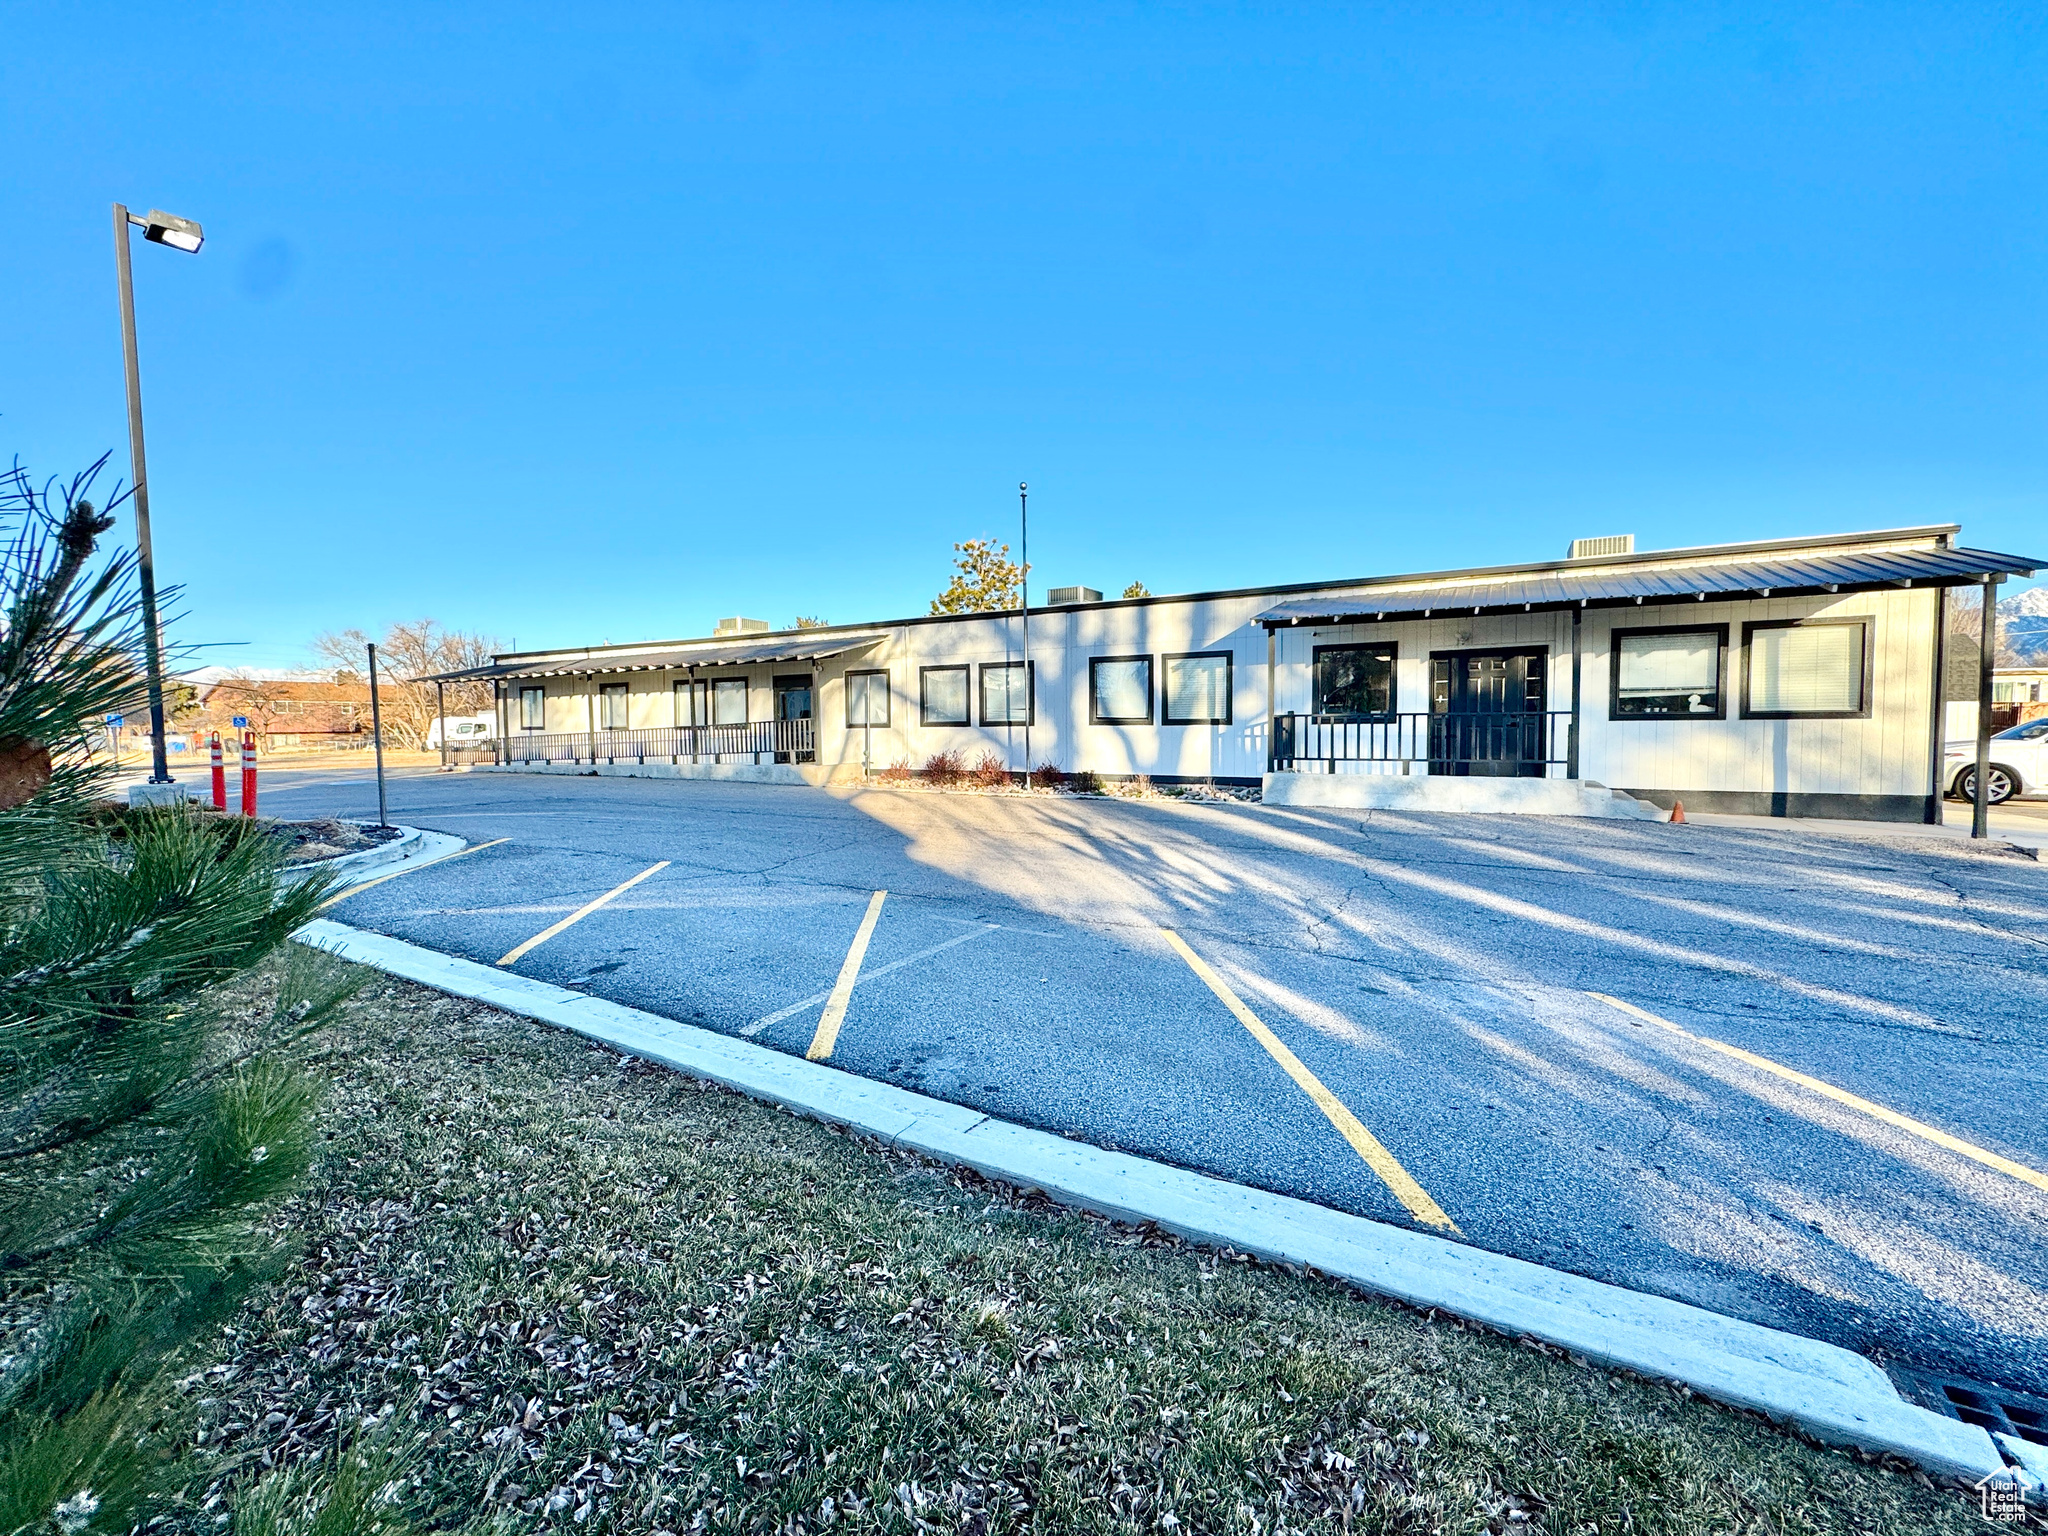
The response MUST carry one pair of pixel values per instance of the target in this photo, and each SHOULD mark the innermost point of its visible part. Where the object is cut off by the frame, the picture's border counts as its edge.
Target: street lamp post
(1024, 602)
(183, 235)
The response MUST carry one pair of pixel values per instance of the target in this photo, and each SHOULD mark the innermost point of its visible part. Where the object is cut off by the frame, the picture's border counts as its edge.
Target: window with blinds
(1807, 667)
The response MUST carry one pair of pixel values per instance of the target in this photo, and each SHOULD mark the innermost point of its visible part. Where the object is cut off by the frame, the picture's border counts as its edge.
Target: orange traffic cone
(1677, 812)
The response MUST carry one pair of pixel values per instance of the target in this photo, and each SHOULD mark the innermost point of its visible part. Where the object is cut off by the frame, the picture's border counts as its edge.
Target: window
(611, 706)
(1806, 667)
(942, 692)
(1659, 673)
(533, 709)
(1354, 682)
(693, 703)
(729, 701)
(867, 699)
(1120, 690)
(1197, 689)
(1006, 697)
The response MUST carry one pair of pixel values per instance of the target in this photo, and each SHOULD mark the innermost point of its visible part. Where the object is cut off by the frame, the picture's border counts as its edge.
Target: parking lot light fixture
(181, 235)
(169, 229)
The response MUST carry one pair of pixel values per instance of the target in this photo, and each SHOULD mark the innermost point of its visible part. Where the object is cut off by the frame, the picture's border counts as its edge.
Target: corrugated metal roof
(1610, 584)
(731, 653)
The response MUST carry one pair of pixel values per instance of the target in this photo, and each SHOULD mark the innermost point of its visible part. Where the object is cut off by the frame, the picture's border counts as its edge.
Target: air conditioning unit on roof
(1611, 544)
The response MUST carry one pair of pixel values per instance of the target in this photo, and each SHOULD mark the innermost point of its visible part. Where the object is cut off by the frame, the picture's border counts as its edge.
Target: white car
(2019, 764)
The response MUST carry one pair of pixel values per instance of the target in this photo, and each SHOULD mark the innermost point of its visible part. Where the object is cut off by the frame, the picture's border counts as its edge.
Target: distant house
(2019, 694)
(286, 710)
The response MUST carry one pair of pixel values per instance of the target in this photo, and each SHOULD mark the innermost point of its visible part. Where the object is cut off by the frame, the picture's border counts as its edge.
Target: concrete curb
(1831, 1393)
(410, 844)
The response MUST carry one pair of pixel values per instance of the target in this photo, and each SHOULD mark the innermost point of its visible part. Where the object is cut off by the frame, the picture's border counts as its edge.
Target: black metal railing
(1509, 743)
(780, 741)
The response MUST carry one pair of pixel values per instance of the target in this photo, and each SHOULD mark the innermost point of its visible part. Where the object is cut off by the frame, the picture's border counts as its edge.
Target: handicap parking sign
(114, 722)
(241, 722)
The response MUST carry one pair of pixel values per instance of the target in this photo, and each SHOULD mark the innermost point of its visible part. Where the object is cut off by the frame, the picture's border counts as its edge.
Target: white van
(462, 731)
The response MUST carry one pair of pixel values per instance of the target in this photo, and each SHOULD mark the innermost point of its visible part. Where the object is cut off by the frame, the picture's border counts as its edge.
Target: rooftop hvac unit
(741, 627)
(1061, 597)
(1612, 544)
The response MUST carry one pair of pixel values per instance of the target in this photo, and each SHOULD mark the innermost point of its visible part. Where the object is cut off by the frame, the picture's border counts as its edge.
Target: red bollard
(248, 773)
(220, 777)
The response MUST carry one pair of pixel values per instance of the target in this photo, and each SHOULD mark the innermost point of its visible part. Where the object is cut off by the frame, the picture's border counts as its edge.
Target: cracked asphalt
(1436, 973)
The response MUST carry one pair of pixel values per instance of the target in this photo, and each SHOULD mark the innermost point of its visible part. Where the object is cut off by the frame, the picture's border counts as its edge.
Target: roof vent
(1061, 597)
(1612, 544)
(741, 627)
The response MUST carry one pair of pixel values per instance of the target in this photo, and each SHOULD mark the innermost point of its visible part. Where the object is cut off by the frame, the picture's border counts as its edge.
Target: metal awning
(710, 653)
(1609, 586)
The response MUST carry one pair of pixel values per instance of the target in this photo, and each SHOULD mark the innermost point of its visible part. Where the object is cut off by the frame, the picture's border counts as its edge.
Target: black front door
(1486, 713)
(793, 702)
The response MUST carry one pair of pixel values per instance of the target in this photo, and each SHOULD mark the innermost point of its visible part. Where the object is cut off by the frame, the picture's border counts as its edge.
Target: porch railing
(1424, 743)
(780, 741)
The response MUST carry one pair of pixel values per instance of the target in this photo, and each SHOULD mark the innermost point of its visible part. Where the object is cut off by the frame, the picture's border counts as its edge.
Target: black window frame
(888, 699)
(606, 692)
(543, 710)
(1614, 638)
(1096, 717)
(1030, 692)
(924, 706)
(688, 687)
(746, 687)
(1229, 660)
(1867, 623)
(1391, 648)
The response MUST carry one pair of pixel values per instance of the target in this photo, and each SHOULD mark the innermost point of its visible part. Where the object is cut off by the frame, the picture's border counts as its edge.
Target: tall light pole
(1024, 598)
(181, 235)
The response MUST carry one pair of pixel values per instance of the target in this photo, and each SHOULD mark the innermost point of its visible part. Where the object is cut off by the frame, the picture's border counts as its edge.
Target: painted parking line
(1890, 1117)
(580, 913)
(748, 1031)
(1378, 1158)
(849, 972)
(427, 864)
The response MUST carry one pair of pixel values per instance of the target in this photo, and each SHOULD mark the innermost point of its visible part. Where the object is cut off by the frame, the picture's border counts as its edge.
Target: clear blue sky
(572, 323)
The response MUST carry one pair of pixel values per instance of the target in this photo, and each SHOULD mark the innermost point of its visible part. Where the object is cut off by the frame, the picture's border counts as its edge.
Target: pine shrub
(142, 1132)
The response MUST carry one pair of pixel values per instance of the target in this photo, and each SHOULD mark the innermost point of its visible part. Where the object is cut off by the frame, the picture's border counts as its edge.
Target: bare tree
(406, 656)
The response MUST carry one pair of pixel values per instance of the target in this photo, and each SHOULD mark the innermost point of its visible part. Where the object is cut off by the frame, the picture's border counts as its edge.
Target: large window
(1806, 668)
(1120, 690)
(867, 699)
(729, 701)
(942, 694)
(611, 707)
(533, 709)
(1197, 690)
(1354, 682)
(1660, 673)
(693, 703)
(1006, 696)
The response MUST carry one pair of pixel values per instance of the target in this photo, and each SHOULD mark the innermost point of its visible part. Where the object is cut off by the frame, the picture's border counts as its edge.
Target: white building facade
(1795, 677)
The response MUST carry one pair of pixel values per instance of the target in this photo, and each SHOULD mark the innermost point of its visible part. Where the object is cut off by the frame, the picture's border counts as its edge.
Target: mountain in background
(2023, 620)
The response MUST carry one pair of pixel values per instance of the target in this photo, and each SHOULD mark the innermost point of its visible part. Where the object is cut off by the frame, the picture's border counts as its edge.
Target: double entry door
(1486, 712)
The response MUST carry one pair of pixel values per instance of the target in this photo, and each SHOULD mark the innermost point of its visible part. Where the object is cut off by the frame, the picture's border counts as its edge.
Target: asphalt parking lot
(1797, 1079)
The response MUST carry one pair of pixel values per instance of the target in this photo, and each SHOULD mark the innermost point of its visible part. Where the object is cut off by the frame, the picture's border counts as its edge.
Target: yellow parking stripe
(1377, 1157)
(580, 913)
(842, 990)
(1890, 1117)
(430, 863)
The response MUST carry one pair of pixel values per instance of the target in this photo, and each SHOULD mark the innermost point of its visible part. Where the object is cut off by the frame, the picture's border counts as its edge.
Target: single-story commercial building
(1795, 677)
